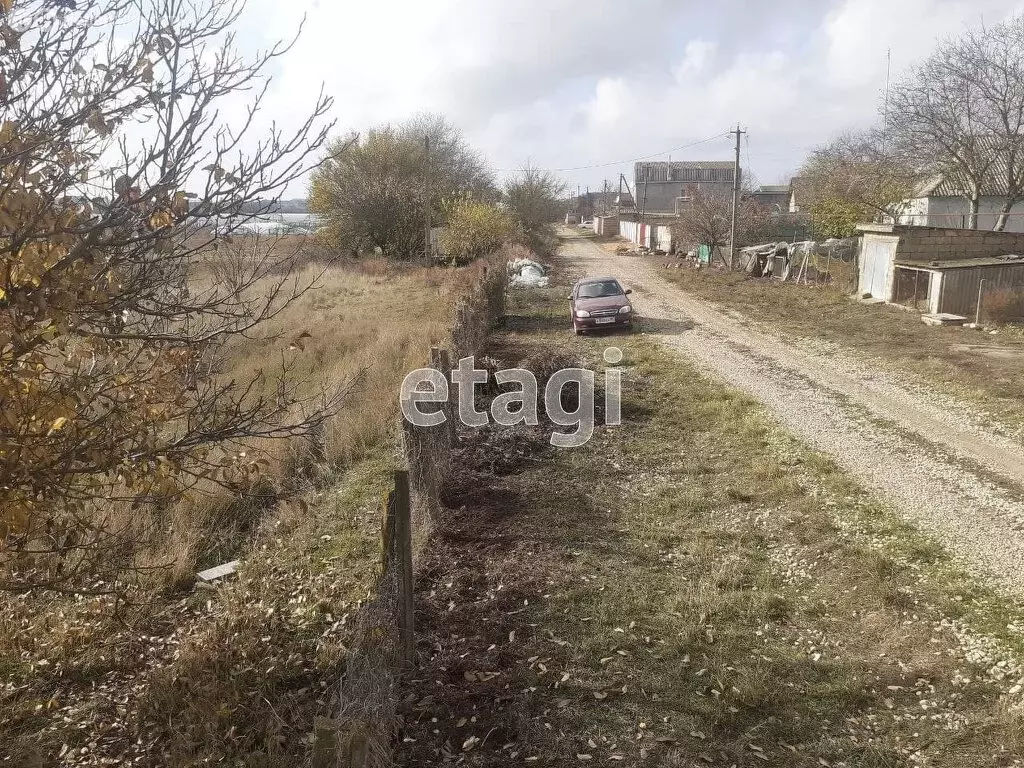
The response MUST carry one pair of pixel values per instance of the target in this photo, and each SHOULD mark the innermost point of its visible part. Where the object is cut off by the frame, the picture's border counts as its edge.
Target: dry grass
(184, 675)
(693, 588)
(985, 370)
(1005, 306)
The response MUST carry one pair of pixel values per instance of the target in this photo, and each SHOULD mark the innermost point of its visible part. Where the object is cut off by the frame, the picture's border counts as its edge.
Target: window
(599, 290)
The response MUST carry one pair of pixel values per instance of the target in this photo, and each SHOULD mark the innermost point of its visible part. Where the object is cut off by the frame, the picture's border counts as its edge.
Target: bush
(1005, 305)
(475, 229)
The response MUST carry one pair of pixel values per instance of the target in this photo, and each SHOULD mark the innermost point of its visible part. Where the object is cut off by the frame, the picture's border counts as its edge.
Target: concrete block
(218, 572)
(943, 318)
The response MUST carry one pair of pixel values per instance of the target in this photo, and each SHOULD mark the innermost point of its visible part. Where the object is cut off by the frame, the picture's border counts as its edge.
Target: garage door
(876, 257)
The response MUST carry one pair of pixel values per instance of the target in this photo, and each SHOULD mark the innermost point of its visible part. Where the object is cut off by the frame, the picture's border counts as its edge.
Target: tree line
(958, 116)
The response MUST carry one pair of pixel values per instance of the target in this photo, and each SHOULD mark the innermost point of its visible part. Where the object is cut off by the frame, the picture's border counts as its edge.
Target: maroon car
(600, 302)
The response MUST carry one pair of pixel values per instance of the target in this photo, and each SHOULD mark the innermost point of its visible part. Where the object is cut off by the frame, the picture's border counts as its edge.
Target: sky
(568, 85)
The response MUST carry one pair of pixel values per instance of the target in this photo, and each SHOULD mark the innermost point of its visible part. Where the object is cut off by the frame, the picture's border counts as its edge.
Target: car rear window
(599, 290)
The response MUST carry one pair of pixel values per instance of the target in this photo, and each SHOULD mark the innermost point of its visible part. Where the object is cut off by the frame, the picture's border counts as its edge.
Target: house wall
(661, 196)
(606, 225)
(953, 212)
(654, 236)
(775, 202)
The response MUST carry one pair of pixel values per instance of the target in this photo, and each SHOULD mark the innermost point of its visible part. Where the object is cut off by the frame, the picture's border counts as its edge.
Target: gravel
(940, 464)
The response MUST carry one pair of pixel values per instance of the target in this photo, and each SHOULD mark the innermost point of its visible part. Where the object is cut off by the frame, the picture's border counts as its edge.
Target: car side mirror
(629, 291)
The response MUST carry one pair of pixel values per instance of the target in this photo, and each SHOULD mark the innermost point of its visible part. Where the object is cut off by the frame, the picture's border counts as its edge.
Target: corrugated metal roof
(985, 261)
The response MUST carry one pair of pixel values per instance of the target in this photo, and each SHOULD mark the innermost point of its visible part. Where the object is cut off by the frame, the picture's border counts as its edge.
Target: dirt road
(937, 462)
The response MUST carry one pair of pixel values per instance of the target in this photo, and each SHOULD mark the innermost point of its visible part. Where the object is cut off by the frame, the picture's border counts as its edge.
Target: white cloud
(567, 86)
(698, 55)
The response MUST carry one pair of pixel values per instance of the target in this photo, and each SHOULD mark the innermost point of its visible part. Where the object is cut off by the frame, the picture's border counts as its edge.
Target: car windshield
(599, 290)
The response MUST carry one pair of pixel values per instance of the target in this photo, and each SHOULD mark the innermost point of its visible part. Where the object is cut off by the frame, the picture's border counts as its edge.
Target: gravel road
(933, 459)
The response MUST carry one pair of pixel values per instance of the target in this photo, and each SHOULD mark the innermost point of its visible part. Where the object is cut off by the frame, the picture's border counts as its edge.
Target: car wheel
(577, 331)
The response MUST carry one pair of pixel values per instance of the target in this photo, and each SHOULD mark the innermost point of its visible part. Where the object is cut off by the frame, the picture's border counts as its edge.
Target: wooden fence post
(403, 545)
(451, 407)
(388, 533)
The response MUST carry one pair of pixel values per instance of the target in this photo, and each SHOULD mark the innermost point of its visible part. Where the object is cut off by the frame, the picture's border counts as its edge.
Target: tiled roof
(994, 183)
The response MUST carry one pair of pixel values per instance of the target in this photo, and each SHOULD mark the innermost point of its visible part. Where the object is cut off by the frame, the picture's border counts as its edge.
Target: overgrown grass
(695, 588)
(236, 674)
(984, 370)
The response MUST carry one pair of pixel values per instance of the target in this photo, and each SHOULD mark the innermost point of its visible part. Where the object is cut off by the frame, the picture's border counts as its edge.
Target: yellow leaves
(15, 514)
(161, 219)
(475, 229)
(34, 260)
(58, 425)
(6, 6)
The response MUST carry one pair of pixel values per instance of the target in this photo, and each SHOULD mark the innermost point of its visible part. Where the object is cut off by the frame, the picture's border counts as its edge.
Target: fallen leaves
(480, 677)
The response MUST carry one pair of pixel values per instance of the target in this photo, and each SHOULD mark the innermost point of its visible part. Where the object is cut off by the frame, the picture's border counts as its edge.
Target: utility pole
(643, 206)
(735, 198)
(622, 180)
(426, 199)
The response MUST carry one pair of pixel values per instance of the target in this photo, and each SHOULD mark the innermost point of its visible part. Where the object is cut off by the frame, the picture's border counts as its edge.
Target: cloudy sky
(566, 84)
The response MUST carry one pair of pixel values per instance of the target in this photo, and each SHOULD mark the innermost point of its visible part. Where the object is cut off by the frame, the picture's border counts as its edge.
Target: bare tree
(854, 179)
(706, 219)
(992, 61)
(939, 120)
(535, 197)
(117, 299)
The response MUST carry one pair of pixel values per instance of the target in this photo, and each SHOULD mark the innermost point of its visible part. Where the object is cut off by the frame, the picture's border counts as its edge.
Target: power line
(619, 162)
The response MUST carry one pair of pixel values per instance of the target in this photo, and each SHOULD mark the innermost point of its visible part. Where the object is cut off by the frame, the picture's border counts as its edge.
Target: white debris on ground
(526, 273)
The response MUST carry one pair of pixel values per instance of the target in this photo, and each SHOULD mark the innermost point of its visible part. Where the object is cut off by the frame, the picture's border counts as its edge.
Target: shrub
(1005, 305)
(475, 229)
